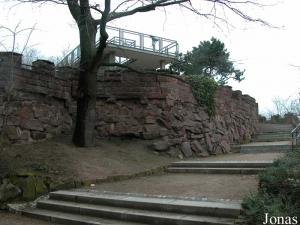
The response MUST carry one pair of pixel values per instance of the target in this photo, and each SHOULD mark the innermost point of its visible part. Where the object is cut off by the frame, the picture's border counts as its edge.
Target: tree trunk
(87, 87)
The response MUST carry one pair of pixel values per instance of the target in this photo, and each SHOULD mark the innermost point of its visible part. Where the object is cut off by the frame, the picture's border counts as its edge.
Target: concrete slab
(67, 218)
(215, 170)
(129, 214)
(150, 203)
(224, 164)
(274, 143)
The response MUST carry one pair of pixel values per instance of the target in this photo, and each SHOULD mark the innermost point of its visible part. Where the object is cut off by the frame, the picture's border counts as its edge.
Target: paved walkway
(208, 186)
(211, 186)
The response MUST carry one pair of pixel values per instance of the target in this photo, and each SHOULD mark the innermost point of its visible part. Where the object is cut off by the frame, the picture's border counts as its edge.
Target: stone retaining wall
(40, 103)
(150, 106)
(160, 106)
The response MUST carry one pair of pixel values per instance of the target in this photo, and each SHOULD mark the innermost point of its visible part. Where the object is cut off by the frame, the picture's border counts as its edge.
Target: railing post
(295, 135)
(160, 44)
(78, 52)
(293, 140)
(121, 36)
(141, 41)
(72, 58)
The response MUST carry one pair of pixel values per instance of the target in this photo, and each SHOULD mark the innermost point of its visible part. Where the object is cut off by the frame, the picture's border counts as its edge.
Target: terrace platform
(137, 50)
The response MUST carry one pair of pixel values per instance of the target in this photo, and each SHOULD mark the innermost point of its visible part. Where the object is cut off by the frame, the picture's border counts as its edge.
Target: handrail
(295, 136)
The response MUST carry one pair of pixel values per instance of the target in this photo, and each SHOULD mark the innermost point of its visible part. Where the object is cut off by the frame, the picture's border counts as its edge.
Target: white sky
(266, 53)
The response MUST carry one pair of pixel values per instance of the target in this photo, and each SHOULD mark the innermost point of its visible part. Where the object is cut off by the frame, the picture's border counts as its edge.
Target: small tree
(12, 45)
(285, 106)
(210, 58)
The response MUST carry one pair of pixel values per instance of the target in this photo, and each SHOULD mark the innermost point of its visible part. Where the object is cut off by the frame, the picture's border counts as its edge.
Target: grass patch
(279, 191)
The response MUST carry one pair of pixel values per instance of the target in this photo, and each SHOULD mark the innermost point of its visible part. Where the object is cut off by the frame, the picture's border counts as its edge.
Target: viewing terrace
(139, 50)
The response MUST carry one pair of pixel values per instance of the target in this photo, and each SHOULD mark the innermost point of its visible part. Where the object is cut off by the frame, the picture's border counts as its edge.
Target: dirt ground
(14, 219)
(61, 160)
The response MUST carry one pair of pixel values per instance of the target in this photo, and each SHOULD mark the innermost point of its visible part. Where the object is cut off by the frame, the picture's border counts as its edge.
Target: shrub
(204, 90)
(279, 191)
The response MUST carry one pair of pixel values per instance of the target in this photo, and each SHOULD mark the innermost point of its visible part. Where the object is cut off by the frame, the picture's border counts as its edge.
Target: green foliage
(289, 117)
(262, 119)
(279, 191)
(204, 89)
(210, 58)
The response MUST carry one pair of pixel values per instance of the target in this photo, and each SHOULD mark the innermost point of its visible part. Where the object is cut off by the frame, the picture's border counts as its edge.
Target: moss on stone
(27, 186)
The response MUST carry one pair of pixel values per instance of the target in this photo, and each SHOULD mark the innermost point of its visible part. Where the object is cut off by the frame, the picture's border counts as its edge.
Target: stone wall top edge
(146, 73)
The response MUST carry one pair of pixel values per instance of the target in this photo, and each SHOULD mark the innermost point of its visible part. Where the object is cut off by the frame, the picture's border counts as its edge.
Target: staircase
(219, 167)
(108, 208)
(274, 132)
(271, 138)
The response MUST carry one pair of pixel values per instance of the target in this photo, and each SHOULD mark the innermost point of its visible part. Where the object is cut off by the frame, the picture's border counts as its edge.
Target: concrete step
(279, 129)
(271, 138)
(274, 134)
(71, 219)
(223, 164)
(220, 209)
(266, 147)
(278, 132)
(275, 127)
(127, 214)
(215, 170)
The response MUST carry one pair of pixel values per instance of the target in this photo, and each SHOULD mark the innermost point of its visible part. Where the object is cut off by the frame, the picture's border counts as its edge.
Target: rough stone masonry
(154, 106)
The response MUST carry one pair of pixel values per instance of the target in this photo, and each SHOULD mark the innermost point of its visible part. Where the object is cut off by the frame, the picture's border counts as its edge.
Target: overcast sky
(267, 54)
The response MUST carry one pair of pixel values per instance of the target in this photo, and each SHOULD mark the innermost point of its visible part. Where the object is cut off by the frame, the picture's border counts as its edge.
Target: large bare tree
(92, 56)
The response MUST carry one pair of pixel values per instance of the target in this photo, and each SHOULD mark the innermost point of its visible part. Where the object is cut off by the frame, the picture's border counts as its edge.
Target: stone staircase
(274, 132)
(219, 167)
(271, 138)
(108, 208)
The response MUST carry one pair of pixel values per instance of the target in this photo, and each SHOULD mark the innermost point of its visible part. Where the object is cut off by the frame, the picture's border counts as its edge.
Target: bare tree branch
(148, 5)
(145, 8)
(103, 37)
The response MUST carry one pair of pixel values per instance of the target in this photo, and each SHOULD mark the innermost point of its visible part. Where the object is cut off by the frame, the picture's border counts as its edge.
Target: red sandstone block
(27, 74)
(22, 80)
(55, 86)
(170, 79)
(148, 78)
(33, 88)
(155, 95)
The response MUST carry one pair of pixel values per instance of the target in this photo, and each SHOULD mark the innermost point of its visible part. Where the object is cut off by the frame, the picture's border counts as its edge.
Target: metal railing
(122, 42)
(295, 136)
(129, 39)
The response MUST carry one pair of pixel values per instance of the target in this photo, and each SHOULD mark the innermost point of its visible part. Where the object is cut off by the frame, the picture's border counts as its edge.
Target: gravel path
(211, 186)
(216, 186)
